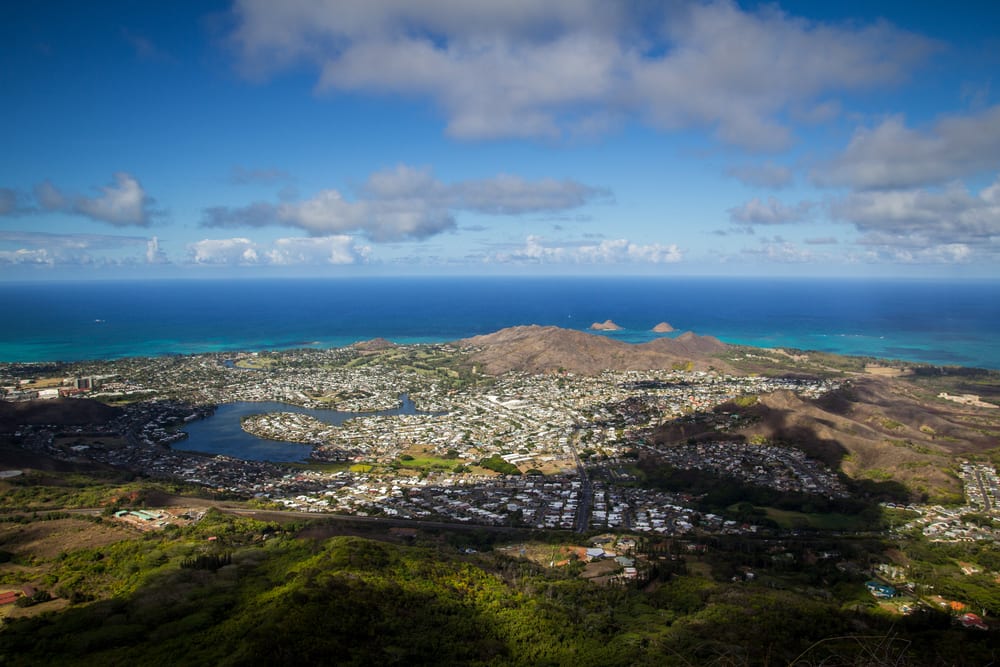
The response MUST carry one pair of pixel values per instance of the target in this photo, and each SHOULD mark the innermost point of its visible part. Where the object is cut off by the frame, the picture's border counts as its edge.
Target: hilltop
(538, 349)
(873, 429)
(374, 345)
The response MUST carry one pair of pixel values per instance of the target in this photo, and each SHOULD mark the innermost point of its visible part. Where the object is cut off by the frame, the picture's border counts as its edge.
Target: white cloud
(922, 226)
(530, 69)
(325, 250)
(28, 247)
(223, 251)
(122, 203)
(781, 252)
(770, 212)
(949, 253)
(512, 195)
(894, 156)
(38, 256)
(381, 220)
(618, 251)
(241, 251)
(953, 215)
(154, 255)
(408, 203)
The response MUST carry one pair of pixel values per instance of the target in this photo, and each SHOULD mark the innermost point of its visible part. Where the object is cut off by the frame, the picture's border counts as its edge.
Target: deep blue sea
(935, 322)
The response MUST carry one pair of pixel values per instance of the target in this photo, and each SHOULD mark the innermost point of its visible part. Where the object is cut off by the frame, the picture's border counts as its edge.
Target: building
(881, 591)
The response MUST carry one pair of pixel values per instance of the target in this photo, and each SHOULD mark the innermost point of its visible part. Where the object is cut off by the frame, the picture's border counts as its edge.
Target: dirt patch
(599, 568)
(887, 371)
(54, 605)
(45, 540)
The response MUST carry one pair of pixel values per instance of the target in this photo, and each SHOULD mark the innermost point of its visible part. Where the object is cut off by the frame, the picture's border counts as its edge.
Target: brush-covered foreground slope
(258, 594)
(536, 349)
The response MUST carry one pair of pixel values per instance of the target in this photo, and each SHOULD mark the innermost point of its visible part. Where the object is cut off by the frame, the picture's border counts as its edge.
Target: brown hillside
(876, 429)
(374, 345)
(687, 345)
(535, 349)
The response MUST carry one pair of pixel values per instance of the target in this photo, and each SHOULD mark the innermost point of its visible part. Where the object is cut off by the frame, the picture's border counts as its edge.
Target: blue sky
(436, 137)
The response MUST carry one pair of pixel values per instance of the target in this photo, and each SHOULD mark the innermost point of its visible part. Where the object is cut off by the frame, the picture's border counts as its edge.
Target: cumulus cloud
(310, 251)
(920, 225)
(407, 203)
(617, 251)
(766, 175)
(769, 212)
(232, 251)
(953, 215)
(325, 250)
(154, 255)
(21, 256)
(530, 69)
(42, 248)
(781, 252)
(894, 156)
(949, 253)
(122, 203)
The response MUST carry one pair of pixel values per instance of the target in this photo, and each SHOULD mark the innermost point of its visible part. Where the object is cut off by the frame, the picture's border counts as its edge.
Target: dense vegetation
(261, 594)
(497, 464)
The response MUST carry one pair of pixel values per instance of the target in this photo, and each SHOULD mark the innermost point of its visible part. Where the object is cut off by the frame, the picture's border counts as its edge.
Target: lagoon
(222, 432)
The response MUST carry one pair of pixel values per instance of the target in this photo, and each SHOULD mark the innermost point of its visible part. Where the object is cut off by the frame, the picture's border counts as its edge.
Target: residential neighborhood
(405, 438)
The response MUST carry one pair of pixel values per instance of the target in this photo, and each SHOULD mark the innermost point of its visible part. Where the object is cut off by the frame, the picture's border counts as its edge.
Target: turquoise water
(932, 322)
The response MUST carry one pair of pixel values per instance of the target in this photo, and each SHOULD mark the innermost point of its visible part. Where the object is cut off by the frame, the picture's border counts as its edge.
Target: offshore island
(632, 501)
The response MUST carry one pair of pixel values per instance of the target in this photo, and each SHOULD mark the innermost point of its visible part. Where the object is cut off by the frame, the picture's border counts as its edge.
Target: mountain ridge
(539, 349)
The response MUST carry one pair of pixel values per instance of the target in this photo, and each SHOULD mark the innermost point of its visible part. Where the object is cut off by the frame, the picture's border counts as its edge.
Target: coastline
(920, 322)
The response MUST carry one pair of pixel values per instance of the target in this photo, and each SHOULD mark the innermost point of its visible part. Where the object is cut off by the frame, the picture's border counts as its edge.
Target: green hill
(260, 594)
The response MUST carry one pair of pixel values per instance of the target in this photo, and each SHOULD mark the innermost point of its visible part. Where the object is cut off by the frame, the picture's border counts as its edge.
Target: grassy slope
(290, 599)
(876, 428)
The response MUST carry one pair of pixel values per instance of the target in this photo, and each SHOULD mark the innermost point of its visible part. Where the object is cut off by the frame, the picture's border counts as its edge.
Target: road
(987, 506)
(582, 521)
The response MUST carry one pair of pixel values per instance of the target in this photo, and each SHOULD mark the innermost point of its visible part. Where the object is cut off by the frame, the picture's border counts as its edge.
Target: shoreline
(632, 336)
(922, 322)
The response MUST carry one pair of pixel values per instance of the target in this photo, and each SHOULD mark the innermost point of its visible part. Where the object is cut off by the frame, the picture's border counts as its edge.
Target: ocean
(945, 323)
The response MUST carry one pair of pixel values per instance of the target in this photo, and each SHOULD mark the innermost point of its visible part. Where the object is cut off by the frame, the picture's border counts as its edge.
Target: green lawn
(423, 463)
(318, 467)
(790, 520)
